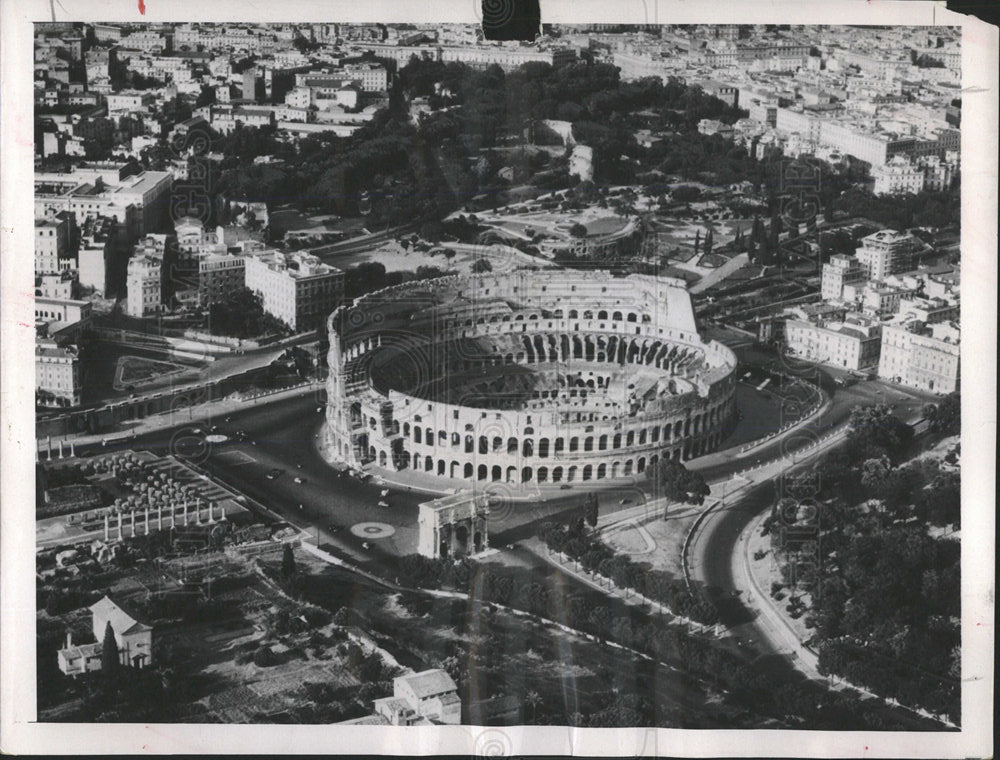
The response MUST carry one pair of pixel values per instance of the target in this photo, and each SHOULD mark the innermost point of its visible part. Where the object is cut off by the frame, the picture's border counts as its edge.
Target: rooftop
(429, 683)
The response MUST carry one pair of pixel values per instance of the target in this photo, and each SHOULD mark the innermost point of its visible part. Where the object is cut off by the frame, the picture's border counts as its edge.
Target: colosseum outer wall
(577, 325)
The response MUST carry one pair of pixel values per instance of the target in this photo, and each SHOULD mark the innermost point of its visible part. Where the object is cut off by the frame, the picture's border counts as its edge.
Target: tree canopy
(678, 483)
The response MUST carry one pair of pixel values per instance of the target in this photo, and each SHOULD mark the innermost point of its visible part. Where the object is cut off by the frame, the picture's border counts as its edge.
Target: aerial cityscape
(387, 375)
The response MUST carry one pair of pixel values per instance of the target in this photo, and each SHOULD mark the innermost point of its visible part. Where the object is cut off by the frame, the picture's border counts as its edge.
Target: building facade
(839, 271)
(887, 252)
(144, 286)
(921, 356)
(297, 288)
(52, 244)
(219, 275)
(852, 344)
(57, 374)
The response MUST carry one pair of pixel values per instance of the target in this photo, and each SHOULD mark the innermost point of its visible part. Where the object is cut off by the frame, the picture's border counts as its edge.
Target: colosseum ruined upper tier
(527, 377)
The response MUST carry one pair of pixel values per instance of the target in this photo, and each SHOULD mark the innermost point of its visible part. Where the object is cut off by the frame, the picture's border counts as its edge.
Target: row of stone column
(171, 516)
(69, 452)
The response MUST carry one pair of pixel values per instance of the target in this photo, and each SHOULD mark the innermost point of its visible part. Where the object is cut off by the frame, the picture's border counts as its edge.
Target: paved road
(282, 436)
(717, 566)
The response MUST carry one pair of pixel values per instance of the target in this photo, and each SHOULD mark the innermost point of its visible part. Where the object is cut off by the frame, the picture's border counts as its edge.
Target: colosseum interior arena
(532, 377)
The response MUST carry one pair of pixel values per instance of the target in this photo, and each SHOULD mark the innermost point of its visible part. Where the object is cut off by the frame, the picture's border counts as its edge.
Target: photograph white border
(18, 731)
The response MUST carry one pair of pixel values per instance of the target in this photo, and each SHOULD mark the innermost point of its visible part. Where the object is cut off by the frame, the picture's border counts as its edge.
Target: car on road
(299, 479)
(273, 474)
(383, 503)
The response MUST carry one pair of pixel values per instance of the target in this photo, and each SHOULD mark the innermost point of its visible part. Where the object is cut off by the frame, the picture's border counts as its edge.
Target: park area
(400, 256)
(137, 371)
(300, 229)
(112, 370)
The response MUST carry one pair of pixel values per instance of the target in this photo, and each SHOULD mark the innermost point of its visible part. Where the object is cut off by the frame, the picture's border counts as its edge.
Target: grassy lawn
(138, 371)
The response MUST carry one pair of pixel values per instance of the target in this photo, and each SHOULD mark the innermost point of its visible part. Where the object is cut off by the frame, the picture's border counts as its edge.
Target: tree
(431, 231)
(533, 698)
(577, 230)
(481, 265)
(708, 242)
(592, 510)
(686, 194)
(678, 483)
(288, 568)
(874, 431)
(946, 418)
(110, 661)
(697, 241)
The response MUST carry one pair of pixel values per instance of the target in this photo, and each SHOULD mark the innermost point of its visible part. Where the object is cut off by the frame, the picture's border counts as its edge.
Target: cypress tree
(288, 562)
(109, 652)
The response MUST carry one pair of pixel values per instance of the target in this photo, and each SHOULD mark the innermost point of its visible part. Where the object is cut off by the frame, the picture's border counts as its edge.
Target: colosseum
(536, 376)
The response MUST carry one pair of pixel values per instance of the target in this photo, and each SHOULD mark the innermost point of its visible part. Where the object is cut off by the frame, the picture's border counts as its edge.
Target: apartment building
(52, 235)
(138, 200)
(297, 288)
(373, 77)
(123, 102)
(887, 252)
(897, 177)
(928, 310)
(839, 271)
(144, 286)
(921, 356)
(219, 274)
(851, 344)
(57, 374)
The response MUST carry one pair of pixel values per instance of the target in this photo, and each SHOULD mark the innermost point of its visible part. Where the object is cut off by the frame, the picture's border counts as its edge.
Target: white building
(887, 252)
(373, 76)
(939, 174)
(133, 638)
(297, 288)
(839, 271)
(928, 310)
(62, 312)
(897, 177)
(137, 200)
(52, 245)
(57, 374)
(144, 286)
(431, 695)
(851, 344)
(921, 356)
(127, 101)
